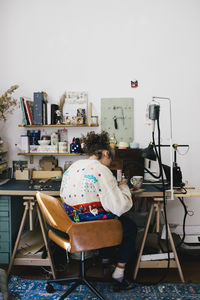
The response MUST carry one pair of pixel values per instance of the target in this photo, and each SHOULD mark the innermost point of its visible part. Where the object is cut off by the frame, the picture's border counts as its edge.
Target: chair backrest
(82, 236)
(53, 212)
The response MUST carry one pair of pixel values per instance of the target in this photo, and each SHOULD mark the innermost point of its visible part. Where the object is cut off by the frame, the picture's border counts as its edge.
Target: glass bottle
(67, 165)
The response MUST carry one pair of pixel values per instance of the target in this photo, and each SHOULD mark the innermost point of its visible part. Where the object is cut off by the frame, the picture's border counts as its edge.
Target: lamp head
(149, 152)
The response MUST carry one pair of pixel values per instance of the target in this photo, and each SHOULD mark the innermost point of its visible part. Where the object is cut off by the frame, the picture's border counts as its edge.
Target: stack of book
(38, 111)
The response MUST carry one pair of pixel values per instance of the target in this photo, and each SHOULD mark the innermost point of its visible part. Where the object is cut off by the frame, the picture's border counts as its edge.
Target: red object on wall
(134, 84)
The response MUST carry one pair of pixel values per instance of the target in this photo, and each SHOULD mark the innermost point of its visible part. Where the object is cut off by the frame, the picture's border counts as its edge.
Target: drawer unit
(11, 210)
(4, 214)
(5, 245)
(4, 205)
(4, 236)
(4, 257)
(4, 226)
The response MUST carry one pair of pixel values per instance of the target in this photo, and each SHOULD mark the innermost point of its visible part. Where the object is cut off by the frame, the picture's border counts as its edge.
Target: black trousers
(127, 249)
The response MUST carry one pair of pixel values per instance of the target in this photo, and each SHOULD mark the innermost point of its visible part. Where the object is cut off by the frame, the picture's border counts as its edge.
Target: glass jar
(67, 165)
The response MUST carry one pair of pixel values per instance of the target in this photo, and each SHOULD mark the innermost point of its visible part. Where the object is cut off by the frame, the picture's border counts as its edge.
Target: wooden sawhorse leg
(29, 204)
(157, 206)
(143, 242)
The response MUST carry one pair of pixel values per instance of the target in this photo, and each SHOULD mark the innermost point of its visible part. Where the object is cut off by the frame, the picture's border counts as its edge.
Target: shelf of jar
(48, 153)
(61, 125)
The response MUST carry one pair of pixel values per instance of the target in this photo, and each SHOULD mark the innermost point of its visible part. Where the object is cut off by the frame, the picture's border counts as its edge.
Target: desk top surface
(25, 187)
(151, 191)
(52, 187)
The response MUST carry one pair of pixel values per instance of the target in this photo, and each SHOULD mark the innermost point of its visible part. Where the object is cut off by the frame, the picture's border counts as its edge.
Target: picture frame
(75, 102)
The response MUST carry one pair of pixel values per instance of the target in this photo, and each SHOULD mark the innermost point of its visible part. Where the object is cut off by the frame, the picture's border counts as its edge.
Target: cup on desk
(136, 182)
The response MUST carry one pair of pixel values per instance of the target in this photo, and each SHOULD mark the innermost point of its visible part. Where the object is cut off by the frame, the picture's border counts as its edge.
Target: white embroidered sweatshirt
(88, 181)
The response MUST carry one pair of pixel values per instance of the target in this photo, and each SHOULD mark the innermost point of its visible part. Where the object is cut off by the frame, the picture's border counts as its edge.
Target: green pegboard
(117, 118)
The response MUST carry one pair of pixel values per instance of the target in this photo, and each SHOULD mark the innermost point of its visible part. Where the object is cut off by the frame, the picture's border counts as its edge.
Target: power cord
(184, 220)
(158, 154)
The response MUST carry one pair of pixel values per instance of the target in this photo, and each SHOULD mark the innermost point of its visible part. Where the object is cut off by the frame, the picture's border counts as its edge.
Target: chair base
(78, 280)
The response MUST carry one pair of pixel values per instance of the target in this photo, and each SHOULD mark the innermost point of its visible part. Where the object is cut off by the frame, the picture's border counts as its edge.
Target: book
(38, 108)
(44, 117)
(48, 113)
(23, 112)
(29, 109)
(54, 107)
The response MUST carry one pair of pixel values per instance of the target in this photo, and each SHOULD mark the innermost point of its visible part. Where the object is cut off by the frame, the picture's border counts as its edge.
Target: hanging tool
(122, 113)
(115, 122)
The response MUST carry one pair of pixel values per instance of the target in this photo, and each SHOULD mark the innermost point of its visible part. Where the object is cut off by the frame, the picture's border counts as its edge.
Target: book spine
(23, 112)
(38, 108)
(26, 108)
(54, 107)
(31, 105)
(29, 111)
(44, 113)
(48, 113)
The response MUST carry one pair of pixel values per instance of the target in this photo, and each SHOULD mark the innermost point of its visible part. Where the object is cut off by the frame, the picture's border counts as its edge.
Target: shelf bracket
(31, 159)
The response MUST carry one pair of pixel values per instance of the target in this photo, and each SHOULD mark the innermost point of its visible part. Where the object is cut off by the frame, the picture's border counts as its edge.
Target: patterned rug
(27, 289)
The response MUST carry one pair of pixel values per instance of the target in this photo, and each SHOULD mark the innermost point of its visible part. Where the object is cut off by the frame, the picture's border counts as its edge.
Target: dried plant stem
(7, 103)
(62, 101)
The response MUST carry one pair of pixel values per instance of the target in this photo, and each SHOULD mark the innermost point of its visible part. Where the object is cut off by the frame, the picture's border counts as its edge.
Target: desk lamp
(149, 152)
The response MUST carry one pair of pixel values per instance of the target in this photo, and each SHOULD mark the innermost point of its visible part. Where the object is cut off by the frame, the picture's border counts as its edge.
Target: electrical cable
(184, 220)
(158, 154)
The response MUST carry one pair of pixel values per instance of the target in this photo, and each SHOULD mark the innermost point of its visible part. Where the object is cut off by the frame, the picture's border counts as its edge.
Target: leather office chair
(77, 237)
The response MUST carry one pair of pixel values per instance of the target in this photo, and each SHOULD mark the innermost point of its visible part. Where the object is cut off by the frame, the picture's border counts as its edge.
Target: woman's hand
(123, 181)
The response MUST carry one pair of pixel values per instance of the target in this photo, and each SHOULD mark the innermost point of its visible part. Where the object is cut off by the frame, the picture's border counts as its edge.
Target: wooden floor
(190, 266)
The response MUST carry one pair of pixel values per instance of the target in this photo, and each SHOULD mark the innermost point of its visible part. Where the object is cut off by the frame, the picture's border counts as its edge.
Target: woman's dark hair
(95, 143)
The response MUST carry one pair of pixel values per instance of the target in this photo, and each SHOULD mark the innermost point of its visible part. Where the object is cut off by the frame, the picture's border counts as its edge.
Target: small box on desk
(46, 174)
(22, 175)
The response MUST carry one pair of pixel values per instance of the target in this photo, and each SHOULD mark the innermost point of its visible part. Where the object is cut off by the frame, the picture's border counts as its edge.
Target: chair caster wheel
(49, 288)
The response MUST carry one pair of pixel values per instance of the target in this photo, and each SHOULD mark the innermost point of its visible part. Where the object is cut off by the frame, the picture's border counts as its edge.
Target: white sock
(118, 273)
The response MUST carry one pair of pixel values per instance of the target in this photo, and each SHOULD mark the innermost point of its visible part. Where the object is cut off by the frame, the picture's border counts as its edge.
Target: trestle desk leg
(143, 241)
(50, 257)
(18, 236)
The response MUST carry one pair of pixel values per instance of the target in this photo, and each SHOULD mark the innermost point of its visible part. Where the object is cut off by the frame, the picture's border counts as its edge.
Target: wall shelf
(31, 154)
(48, 153)
(60, 125)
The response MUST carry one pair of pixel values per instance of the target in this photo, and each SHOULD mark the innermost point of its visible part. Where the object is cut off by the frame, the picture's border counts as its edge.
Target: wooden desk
(11, 209)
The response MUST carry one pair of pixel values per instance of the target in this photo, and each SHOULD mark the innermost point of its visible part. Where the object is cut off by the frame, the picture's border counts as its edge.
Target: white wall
(99, 46)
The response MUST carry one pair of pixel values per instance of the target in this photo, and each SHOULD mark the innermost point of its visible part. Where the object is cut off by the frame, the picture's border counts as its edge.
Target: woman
(90, 191)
